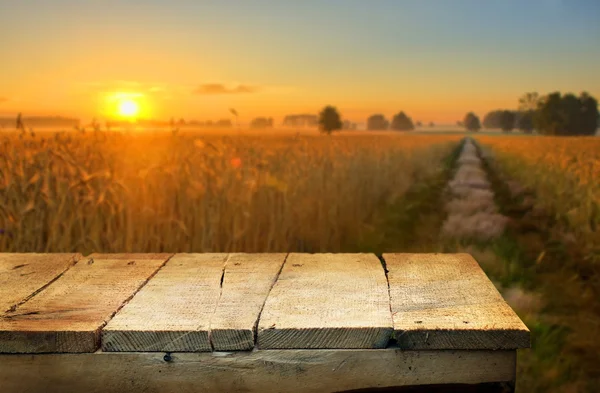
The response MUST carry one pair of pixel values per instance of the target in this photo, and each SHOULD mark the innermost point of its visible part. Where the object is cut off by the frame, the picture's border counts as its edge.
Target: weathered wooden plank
(172, 312)
(247, 281)
(327, 301)
(68, 314)
(445, 301)
(23, 275)
(255, 371)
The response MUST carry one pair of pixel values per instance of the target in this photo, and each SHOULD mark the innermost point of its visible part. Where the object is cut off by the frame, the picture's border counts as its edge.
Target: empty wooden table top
(53, 303)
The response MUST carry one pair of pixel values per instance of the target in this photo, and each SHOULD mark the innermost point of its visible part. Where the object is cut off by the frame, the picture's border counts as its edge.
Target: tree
(261, 122)
(431, 124)
(547, 119)
(471, 122)
(589, 114)
(329, 120)
(493, 119)
(571, 115)
(529, 102)
(419, 124)
(507, 120)
(566, 114)
(223, 123)
(528, 106)
(401, 122)
(525, 121)
(377, 122)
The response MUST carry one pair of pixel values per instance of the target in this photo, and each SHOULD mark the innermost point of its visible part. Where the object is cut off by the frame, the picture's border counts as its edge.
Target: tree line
(330, 120)
(552, 114)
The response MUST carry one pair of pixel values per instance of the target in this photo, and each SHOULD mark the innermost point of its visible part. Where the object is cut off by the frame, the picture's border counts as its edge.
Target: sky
(433, 59)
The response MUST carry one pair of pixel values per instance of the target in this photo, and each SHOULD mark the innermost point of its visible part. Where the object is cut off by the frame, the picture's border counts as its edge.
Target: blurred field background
(151, 192)
(352, 191)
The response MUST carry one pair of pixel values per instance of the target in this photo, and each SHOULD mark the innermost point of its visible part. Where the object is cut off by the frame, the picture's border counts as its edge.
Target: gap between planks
(67, 315)
(263, 305)
(198, 302)
(167, 259)
(327, 301)
(446, 301)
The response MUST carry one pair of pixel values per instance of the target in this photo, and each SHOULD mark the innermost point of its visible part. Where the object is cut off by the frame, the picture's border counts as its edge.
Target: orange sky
(196, 60)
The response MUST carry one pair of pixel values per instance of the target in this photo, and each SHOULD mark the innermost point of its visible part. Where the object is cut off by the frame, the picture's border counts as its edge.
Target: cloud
(217, 88)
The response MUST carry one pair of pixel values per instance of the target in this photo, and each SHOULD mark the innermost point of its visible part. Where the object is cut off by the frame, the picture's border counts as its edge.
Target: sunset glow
(129, 108)
(125, 105)
(434, 60)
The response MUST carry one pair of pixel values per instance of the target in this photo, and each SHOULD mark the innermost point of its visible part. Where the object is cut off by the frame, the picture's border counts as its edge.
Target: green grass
(411, 223)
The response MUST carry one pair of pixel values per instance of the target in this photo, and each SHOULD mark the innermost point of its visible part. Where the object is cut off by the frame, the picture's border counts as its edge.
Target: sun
(128, 108)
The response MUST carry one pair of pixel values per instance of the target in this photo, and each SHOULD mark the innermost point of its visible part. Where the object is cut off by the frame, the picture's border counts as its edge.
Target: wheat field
(555, 259)
(562, 171)
(188, 192)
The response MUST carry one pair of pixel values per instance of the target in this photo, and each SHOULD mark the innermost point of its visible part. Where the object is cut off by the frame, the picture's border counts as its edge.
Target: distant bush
(262, 122)
(508, 120)
(223, 123)
(471, 122)
(525, 121)
(377, 122)
(401, 122)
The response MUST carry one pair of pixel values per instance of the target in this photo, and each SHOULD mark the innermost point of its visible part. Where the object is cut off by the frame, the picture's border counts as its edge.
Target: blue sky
(433, 58)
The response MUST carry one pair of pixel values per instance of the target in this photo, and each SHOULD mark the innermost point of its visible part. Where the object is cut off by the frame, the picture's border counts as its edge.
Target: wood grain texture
(327, 301)
(445, 301)
(68, 314)
(172, 312)
(23, 275)
(256, 371)
(247, 281)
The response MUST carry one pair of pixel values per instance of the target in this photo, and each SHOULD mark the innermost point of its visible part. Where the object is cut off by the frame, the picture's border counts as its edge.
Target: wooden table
(253, 323)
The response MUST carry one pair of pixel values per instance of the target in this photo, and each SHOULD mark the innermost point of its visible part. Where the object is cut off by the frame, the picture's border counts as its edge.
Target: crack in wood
(210, 339)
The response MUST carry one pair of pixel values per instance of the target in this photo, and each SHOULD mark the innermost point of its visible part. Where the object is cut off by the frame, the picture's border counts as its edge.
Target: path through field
(472, 212)
(467, 207)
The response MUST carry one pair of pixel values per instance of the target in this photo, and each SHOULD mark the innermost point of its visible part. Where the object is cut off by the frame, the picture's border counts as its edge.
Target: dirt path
(471, 207)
